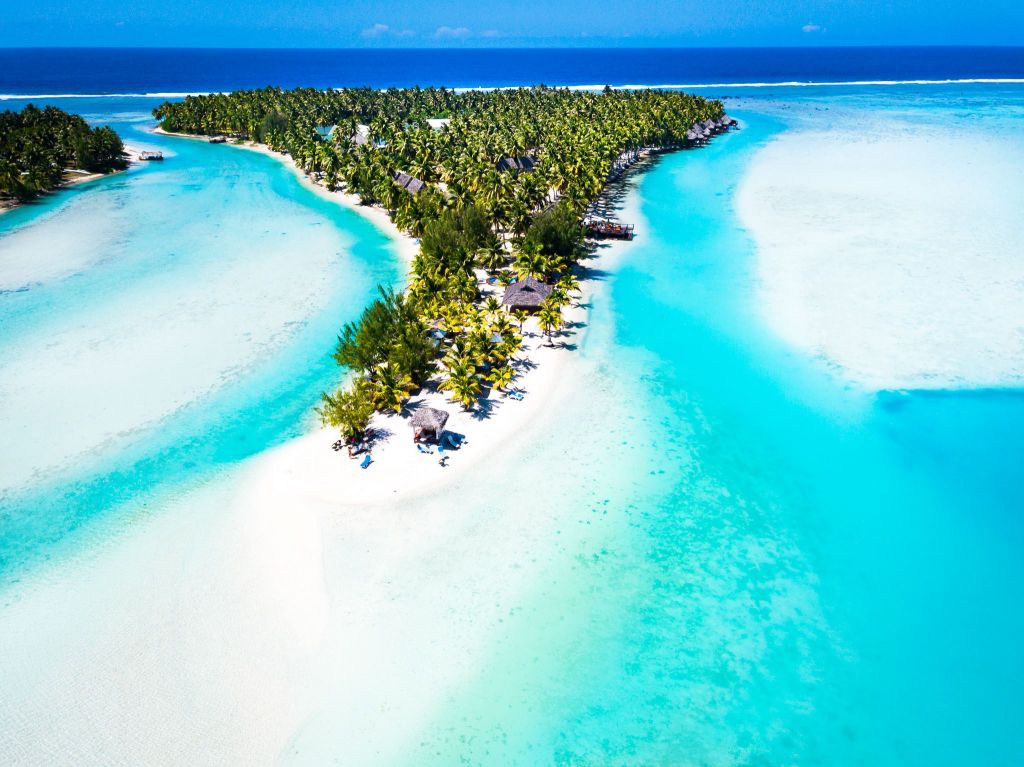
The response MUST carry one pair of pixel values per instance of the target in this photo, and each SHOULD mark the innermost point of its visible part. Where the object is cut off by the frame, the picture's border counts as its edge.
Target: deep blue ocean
(171, 70)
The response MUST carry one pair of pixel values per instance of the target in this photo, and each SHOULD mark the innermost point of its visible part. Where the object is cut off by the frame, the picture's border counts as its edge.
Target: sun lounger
(423, 449)
(452, 440)
(366, 461)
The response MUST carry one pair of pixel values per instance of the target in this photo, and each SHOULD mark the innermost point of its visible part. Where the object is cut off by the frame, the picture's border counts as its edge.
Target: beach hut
(527, 294)
(409, 183)
(516, 164)
(428, 423)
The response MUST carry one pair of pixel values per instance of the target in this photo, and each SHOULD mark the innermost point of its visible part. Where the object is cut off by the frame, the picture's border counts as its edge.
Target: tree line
(37, 147)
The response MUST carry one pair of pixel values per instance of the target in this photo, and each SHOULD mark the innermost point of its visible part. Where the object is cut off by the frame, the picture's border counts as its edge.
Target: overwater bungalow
(428, 424)
(528, 294)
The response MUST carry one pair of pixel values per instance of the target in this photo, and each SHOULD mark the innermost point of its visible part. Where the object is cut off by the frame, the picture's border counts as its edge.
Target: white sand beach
(892, 251)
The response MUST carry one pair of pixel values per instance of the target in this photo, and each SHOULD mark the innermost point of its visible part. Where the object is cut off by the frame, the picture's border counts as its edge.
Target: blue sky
(486, 23)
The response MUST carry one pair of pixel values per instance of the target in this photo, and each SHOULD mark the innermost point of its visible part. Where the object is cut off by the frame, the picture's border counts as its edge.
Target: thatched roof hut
(523, 164)
(411, 184)
(428, 423)
(526, 294)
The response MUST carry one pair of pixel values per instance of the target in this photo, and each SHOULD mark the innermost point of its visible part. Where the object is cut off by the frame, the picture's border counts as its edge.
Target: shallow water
(789, 570)
(734, 556)
(161, 323)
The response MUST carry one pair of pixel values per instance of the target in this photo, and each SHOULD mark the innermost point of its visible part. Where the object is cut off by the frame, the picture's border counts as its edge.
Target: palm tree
(569, 283)
(392, 389)
(501, 377)
(491, 258)
(521, 316)
(463, 387)
(530, 262)
(491, 305)
(550, 320)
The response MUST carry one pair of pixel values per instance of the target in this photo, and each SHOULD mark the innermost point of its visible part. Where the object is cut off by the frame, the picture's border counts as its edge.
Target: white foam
(156, 95)
(594, 87)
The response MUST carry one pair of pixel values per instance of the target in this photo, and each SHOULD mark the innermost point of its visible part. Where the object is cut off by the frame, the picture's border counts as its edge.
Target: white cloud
(383, 30)
(451, 32)
(809, 28)
(490, 33)
(377, 30)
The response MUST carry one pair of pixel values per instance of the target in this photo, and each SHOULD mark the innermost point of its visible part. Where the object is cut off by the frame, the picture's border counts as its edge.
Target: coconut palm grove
(496, 180)
(39, 146)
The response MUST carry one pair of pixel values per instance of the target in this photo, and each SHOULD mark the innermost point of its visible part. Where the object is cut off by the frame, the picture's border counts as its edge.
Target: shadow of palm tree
(484, 409)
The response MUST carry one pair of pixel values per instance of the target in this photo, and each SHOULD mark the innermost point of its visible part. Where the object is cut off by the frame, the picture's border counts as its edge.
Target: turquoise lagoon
(750, 561)
(160, 324)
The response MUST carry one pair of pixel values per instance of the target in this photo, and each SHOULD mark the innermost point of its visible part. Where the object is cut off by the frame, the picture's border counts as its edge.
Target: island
(502, 191)
(43, 149)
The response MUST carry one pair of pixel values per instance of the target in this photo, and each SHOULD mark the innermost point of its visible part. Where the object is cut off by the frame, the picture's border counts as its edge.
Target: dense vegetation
(37, 146)
(473, 211)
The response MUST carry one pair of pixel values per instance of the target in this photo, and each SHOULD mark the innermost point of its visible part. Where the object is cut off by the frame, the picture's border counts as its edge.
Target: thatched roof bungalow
(409, 183)
(523, 164)
(428, 423)
(526, 294)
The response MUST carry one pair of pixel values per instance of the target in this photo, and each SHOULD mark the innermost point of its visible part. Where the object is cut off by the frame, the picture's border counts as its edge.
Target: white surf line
(463, 89)
(20, 97)
(817, 84)
(782, 84)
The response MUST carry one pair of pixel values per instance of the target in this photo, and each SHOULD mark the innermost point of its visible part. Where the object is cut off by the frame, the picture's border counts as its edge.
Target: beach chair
(423, 449)
(515, 394)
(366, 461)
(452, 440)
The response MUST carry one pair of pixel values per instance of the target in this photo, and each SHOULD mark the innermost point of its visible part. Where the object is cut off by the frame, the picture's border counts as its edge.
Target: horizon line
(392, 48)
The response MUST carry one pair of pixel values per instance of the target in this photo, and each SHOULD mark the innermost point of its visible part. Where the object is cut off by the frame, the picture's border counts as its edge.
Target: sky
(505, 23)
